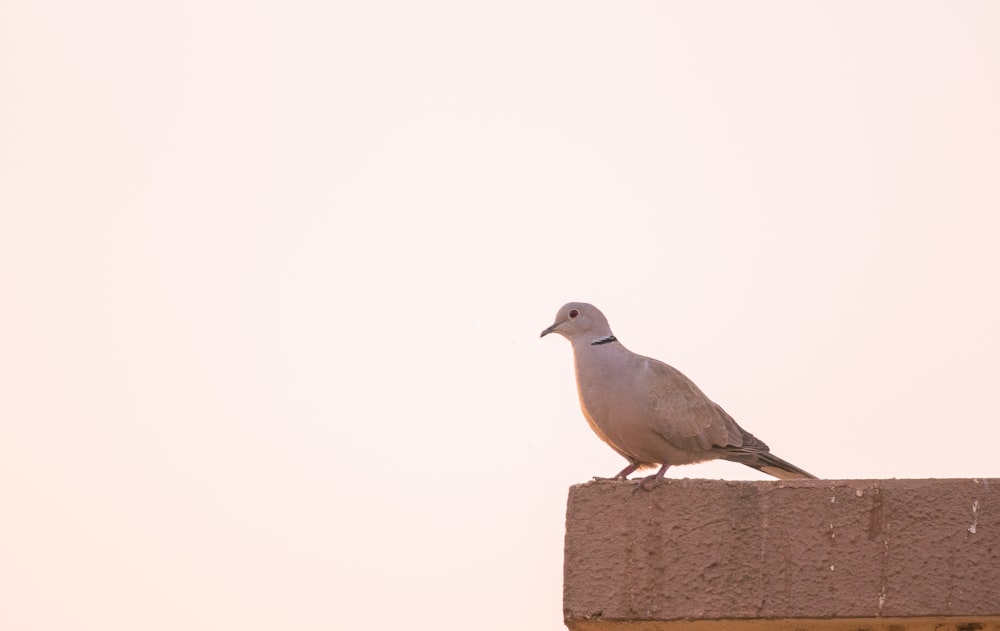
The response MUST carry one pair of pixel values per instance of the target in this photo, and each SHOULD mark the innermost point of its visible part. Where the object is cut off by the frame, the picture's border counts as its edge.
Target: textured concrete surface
(802, 554)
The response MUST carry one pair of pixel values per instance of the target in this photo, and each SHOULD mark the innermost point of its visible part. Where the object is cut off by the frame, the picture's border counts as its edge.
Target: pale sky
(272, 276)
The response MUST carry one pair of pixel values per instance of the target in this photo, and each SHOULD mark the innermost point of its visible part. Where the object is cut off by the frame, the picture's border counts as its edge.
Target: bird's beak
(550, 329)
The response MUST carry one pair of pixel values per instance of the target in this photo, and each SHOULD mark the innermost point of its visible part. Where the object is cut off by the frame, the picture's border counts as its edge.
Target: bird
(650, 412)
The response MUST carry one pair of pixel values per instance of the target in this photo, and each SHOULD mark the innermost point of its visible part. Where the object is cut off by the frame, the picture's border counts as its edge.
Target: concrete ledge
(701, 555)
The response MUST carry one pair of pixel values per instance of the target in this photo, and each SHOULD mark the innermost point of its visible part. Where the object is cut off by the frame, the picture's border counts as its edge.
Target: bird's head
(580, 321)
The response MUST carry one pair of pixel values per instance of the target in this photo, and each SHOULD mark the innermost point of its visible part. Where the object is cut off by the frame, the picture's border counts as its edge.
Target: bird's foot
(622, 475)
(650, 482)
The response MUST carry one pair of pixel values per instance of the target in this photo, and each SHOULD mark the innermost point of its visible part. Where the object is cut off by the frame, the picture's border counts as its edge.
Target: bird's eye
(573, 313)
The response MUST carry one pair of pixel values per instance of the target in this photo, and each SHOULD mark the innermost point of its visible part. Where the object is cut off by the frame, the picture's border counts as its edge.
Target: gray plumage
(649, 412)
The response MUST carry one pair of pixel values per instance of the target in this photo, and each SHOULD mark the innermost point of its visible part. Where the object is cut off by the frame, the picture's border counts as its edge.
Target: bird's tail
(770, 464)
(781, 469)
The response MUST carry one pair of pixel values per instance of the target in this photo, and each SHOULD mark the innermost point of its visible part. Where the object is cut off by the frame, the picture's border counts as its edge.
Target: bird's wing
(684, 416)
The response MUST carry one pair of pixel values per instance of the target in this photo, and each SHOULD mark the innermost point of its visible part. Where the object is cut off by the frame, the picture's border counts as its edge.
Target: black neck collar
(604, 340)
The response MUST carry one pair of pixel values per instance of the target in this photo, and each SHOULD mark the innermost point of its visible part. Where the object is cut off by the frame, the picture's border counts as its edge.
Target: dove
(649, 412)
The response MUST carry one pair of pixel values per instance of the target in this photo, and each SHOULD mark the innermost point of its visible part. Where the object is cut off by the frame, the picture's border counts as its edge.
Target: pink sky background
(272, 277)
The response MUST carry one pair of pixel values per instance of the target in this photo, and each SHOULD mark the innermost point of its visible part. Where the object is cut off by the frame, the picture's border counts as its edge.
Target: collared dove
(648, 411)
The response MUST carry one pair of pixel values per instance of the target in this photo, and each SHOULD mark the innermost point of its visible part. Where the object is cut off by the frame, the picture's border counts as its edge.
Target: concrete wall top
(798, 554)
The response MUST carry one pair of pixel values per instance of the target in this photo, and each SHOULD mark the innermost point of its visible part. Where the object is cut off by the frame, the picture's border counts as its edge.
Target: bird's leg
(627, 471)
(624, 473)
(650, 482)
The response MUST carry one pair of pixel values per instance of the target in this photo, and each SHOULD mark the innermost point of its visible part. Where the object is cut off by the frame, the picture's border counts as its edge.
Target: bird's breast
(615, 409)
